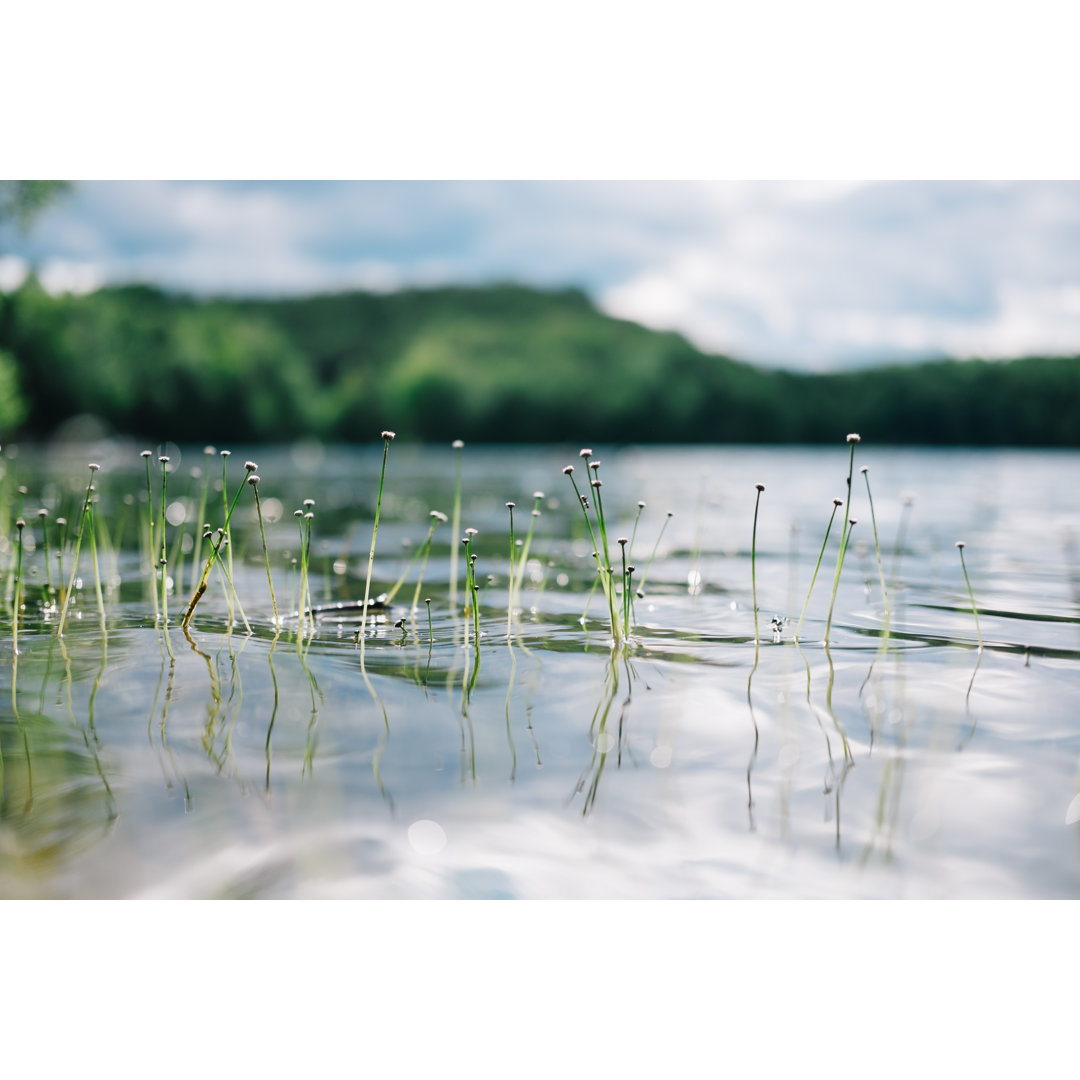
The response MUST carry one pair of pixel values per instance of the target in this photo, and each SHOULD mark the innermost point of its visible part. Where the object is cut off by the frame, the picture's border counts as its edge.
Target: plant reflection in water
(869, 715)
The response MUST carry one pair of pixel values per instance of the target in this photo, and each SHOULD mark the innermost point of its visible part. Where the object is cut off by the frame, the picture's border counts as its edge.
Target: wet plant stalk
(523, 559)
(196, 555)
(164, 561)
(510, 585)
(877, 552)
(821, 555)
(97, 571)
(753, 572)
(16, 603)
(43, 514)
(423, 566)
(253, 480)
(652, 556)
(387, 437)
(215, 549)
(84, 513)
(971, 594)
(455, 525)
(844, 536)
(603, 564)
(151, 545)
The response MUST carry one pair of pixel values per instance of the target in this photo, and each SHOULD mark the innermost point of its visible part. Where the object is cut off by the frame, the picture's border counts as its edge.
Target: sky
(803, 275)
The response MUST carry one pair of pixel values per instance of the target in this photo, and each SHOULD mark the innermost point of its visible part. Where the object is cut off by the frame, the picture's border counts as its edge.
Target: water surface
(709, 757)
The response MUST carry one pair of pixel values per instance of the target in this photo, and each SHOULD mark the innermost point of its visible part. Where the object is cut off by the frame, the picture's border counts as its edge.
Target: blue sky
(803, 275)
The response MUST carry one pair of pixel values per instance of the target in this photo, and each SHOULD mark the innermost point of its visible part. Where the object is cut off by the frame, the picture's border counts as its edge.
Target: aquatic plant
(689, 664)
(16, 603)
(877, 551)
(600, 546)
(200, 515)
(510, 579)
(83, 517)
(845, 535)
(455, 521)
(472, 590)
(518, 582)
(50, 591)
(150, 543)
(971, 595)
(164, 462)
(253, 480)
(837, 503)
(387, 438)
(759, 488)
(221, 539)
(640, 593)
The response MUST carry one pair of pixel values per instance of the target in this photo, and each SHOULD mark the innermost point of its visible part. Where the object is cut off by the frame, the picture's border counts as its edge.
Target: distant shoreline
(496, 364)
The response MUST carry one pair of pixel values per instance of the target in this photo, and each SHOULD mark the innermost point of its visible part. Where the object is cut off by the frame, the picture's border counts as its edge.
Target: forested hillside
(495, 364)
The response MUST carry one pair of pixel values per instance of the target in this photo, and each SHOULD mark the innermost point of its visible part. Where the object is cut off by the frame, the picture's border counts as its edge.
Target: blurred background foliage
(22, 200)
(502, 363)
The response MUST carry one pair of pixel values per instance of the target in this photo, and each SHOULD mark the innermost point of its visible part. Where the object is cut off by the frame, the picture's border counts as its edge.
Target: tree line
(502, 363)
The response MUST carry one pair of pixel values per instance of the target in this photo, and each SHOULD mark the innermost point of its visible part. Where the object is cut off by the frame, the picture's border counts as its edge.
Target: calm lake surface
(281, 760)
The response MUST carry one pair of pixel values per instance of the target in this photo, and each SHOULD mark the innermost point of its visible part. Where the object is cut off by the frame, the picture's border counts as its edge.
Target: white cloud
(804, 274)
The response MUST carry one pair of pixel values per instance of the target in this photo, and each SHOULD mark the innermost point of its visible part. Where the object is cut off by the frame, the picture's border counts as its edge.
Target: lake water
(695, 761)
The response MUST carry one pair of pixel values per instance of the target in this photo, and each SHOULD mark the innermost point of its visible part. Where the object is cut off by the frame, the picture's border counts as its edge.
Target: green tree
(20, 202)
(13, 406)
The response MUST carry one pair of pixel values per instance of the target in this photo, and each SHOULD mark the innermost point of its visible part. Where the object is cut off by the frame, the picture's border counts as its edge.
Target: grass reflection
(602, 739)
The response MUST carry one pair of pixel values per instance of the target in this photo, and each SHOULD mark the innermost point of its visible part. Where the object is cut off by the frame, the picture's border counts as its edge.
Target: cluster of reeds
(612, 556)
(219, 541)
(618, 604)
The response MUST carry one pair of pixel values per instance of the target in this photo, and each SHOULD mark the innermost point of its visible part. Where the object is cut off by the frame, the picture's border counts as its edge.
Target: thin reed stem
(821, 554)
(421, 550)
(877, 552)
(304, 608)
(623, 542)
(151, 546)
(97, 571)
(387, 437)
(200, 516)
(164, 461)
(455, 526)
(43, 515)
(253, 480)
(510, 585)
(471, 587)
(852, 441)
(523, 559)
(437, 518)
(16, 605)
(759, 488)
(75, 554)
(656, 547)
(971, 594)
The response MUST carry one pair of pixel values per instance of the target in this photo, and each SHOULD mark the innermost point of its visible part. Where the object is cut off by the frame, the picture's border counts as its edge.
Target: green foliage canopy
(497, 364)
